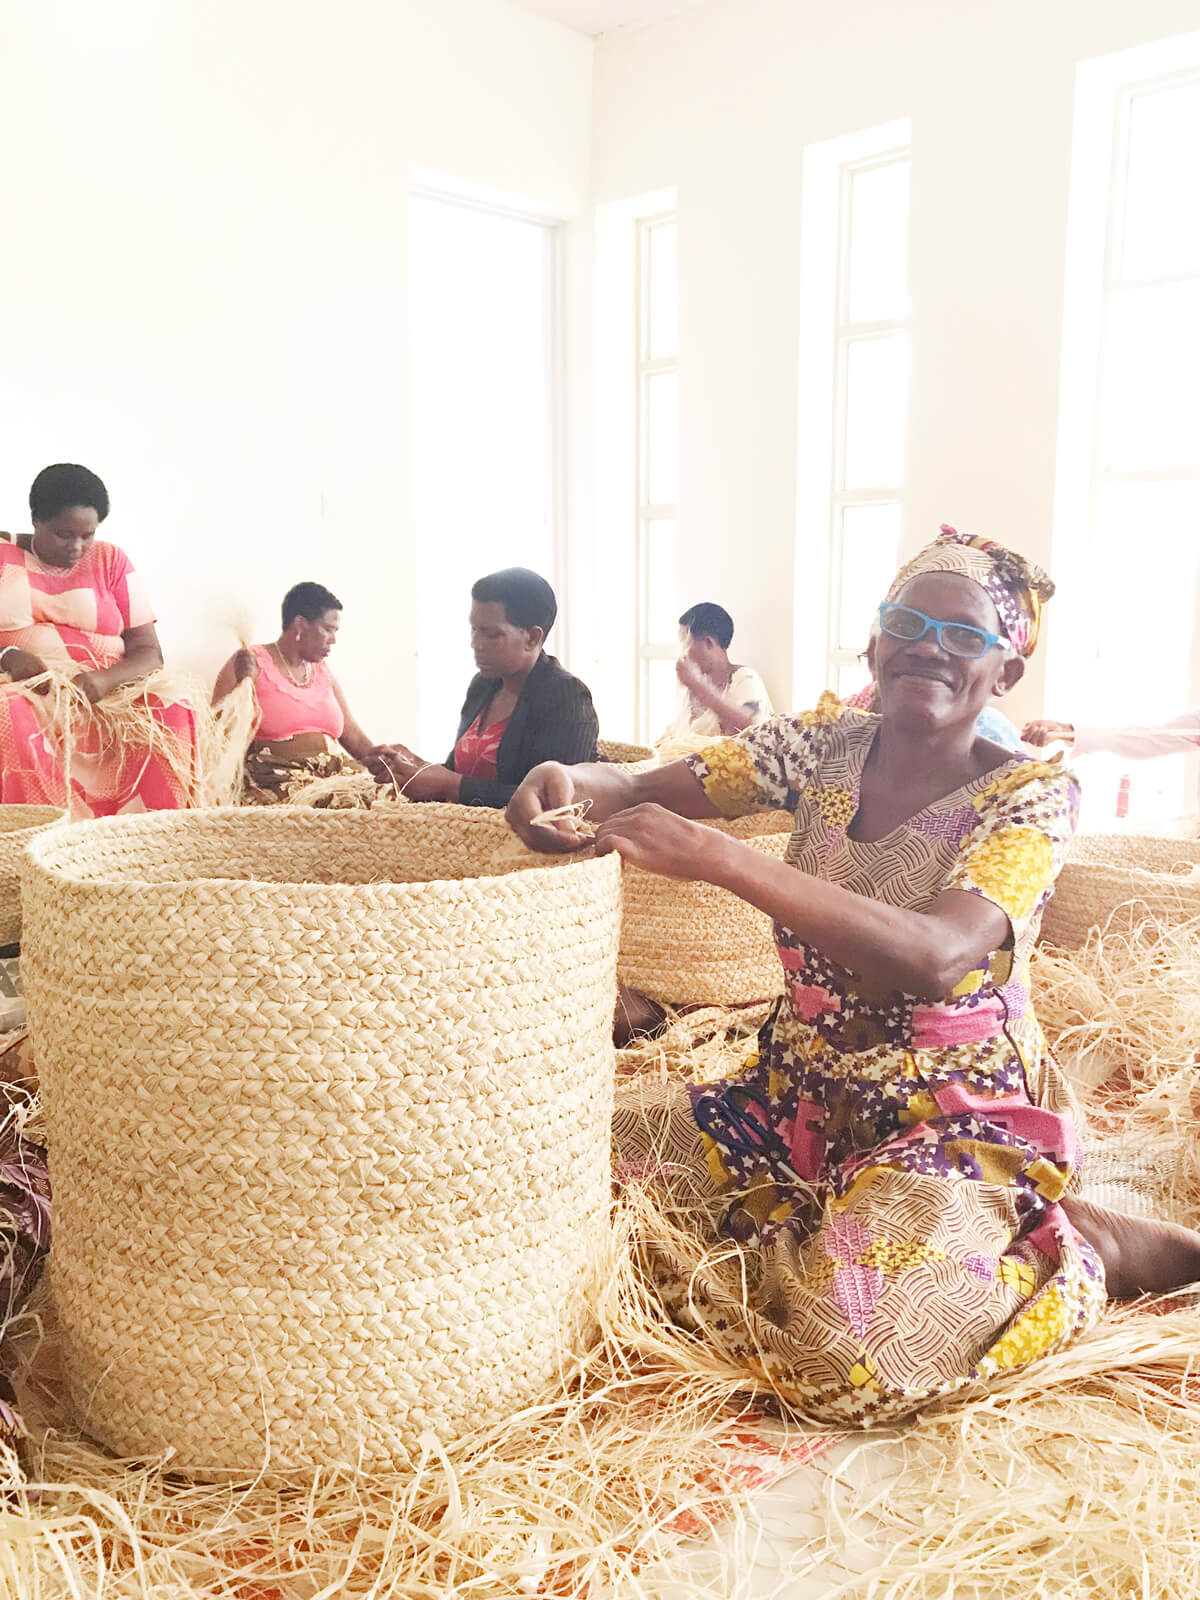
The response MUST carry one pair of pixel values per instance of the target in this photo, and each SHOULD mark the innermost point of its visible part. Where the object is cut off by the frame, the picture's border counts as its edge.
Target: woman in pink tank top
(305, 729)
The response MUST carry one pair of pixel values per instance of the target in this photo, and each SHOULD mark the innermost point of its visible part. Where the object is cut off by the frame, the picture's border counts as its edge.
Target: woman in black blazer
(521, 708)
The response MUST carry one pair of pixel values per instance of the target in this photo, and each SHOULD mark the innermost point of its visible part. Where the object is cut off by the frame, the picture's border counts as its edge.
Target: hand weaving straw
(1118, 880)
(575, 814)
(18, 824)
(329, 1124)
(210, 773)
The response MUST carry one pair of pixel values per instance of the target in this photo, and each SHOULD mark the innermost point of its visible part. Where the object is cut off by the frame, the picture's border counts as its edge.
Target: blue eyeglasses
(955, 638)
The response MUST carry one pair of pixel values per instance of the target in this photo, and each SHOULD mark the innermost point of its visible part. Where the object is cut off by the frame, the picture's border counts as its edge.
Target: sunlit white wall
(203, 285)
(721, 102)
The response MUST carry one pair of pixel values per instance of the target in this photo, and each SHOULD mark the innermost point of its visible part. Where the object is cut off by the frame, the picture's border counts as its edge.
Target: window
(483, 319)
(853, 399)
(1127, 521)
(657, 550)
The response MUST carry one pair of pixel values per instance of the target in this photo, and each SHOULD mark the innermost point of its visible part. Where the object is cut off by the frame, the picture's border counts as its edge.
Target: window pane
(479, 310)
(663, 693)
(876, 406)
(662, 581)
(848, 680)
(878, 265)
(662, 300)
(1143, 602)
(870, 555)
(661, 438)
(1150, 406)
(1161, 231)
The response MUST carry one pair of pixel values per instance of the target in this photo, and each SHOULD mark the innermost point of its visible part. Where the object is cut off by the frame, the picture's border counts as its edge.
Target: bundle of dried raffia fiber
(698, 1046)
(1117, 880)
(329, 1119)
(1122, 1013)
(208, 773)
(18, 824)
(343, 791)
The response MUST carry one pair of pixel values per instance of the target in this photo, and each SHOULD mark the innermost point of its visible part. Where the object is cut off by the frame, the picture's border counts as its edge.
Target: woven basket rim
(755, 824)
(1119, 852)
(16, 818)
(61, 838)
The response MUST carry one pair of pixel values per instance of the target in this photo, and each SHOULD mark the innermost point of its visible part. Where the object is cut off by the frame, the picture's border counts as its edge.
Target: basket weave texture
(329, 1125)
(694, 944)
(617, 750)
(18, 824)
(1119, 880)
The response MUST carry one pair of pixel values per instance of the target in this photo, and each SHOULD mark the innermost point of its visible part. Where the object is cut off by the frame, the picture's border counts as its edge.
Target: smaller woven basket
(1118, 881)
(615, 750)
(694, 944)
(18, 824)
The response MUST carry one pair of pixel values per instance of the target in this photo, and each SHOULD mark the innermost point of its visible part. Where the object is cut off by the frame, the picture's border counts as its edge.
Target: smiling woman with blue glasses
(896, 1165)
(905, 622)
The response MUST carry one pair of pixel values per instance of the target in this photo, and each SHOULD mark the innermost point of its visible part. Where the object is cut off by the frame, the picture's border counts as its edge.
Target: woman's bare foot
(1141, 1255)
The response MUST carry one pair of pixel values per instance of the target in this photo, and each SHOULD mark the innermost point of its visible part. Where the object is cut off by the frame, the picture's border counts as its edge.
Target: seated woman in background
(302, 713)
(716, 696)
(71, 602)
(521, 708)
(896, 1162)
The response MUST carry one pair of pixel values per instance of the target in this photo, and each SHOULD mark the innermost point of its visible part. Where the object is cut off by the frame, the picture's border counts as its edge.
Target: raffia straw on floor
(1079, 1478)
(573, 1498)
(1123, 1015)
(699, 1046)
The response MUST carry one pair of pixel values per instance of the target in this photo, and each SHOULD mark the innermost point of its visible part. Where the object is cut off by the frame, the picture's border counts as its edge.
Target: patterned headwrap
(1016, 586)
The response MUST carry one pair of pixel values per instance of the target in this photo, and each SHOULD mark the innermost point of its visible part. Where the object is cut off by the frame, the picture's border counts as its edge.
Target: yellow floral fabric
(890, 1165)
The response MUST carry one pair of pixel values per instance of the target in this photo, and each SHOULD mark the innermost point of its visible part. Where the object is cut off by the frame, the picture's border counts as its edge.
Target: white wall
(202, 282)
(720, 102)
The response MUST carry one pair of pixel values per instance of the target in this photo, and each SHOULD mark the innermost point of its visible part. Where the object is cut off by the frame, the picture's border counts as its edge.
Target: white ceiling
(602, 16)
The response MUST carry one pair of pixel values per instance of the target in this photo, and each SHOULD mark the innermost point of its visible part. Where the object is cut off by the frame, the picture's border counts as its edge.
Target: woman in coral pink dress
(70, 602)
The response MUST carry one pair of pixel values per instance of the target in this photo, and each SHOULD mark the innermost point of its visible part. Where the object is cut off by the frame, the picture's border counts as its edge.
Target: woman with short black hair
(521, 707)
(302, 713)
(72, 603)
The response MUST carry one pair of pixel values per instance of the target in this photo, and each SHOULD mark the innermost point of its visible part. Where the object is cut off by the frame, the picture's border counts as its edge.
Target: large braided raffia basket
(329, 1125)
(18, 824)
(1119, 880)
(693, 944)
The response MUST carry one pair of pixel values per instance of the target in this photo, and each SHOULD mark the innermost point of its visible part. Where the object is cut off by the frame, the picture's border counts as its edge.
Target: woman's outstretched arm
(606, 790)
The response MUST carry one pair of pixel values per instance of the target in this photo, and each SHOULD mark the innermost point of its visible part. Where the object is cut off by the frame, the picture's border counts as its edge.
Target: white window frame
(1105, 88)
(826, 334)
(647, 511)
(432, 186)
(614, 576)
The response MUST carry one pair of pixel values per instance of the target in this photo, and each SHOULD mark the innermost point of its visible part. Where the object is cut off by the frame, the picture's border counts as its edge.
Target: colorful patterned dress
(892, 1164)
